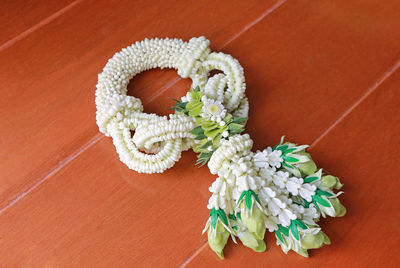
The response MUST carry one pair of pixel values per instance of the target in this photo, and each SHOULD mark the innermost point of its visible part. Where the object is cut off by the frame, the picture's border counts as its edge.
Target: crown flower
(280, 189)
(213, 110)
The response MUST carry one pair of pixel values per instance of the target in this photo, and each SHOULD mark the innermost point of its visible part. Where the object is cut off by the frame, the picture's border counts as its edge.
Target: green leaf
(232, 217)
(288, 151)
(286, 165)
(293, 229)
(290, 159)
(306, 204)
(248, 200)
(241, 196)
(176, 100)
(195, 94)
(216, 139)
(200, 137)
(227, 119)
(235, 128)
(310, 179)
(201, 162)
(239, 120)
(192, 105)
(180, 105)
(195, 112)
(175, 109)
(282, 147)
(206, 145)
(255, 196)
(321, 201)
(248, 194)
(213, 133)
(214, 218)
(223, 217)
(197, 130)
(209, 125)
(279, 236)
(236, 132)
(284, 230)
(320, 192)
(205, 155)
(301, 224)
(316, 205)
(204, 158)
(238, 215)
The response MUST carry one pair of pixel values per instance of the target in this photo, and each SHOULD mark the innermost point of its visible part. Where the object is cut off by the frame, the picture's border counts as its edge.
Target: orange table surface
(324, 73)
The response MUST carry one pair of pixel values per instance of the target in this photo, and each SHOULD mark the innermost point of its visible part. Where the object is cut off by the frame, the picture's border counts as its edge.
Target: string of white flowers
(242, 170)
(277, 189)
(118, 114)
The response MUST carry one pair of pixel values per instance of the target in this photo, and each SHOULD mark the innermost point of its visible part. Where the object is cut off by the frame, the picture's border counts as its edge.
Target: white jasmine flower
(307, 191)
(274, 157)
(285, 216)
(296, 187)
(260, 159)
(309, 215)
(280, 178)
(270, 223)
(267, 173)
(268, 158)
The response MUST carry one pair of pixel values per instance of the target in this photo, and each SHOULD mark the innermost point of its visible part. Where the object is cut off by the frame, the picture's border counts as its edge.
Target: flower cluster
(213, 122)
(259, 191)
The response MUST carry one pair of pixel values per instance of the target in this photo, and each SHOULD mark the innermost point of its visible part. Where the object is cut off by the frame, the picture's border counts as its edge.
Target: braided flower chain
(279, 188)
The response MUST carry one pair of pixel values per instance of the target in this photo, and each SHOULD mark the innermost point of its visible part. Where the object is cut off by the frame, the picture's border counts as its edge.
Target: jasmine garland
(279, 189)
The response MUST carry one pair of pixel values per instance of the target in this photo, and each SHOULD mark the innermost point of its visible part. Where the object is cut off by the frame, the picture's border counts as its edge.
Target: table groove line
(195, 253)
(38, 25)
(254, 22)
(58, 167)
(230, 40)
(353, 106)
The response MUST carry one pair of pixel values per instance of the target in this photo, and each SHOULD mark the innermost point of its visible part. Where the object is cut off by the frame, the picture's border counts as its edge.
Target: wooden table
(324, 73)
